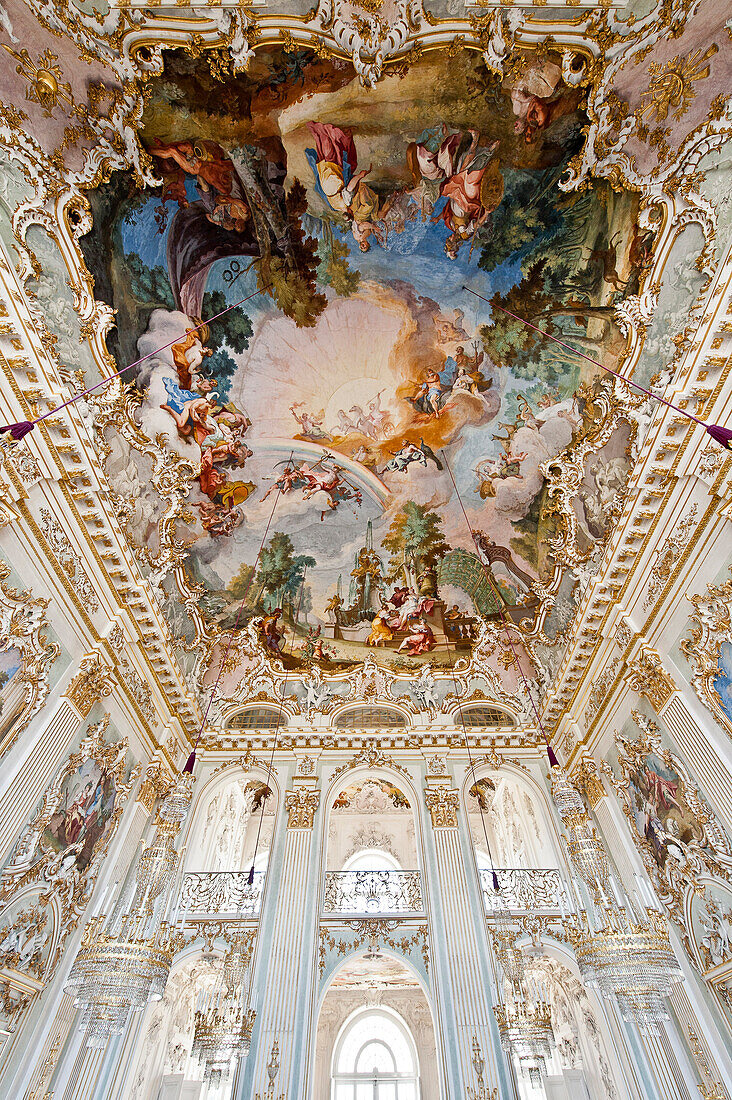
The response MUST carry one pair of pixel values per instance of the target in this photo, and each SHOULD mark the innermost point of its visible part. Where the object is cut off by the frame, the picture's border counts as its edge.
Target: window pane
(375, 1057)
(387, 1090)
(365, 1090)
(343, 1091)
(407, 1090)
(370, 718)
(371, 860)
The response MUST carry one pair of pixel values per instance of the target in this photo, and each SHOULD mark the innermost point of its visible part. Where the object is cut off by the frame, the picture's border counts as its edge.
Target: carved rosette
(443, 803)
(93, 682)
(648, 677)
(301, 806)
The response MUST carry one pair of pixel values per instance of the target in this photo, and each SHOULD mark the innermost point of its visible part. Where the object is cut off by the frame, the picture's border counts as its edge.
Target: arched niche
(162, 1060)
(364, 988)
(372, 811)
(226, 817)
(586, 1061)
(512, 810)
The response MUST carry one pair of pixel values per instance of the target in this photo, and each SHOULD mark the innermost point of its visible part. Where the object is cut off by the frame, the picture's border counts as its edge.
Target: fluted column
(284, 969)
(471, 1031)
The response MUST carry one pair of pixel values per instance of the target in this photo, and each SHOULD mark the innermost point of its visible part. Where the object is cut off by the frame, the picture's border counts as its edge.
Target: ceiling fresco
(338, 435)
(342, 458)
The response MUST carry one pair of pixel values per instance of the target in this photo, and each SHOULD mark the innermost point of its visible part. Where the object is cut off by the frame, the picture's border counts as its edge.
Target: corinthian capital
(301, 806)
(648, 677)
(442, 803)
(93, 681)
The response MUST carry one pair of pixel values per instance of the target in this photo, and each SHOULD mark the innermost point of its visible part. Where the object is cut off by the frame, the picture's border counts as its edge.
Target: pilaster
(472, 1029)
(284, 980)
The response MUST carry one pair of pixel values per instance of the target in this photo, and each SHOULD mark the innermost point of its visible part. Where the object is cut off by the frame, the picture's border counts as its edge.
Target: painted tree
(148, 285)
(229, 333)
(414, 540)
(281, 573)
(529, 215)
(240, 584)
(507, 340)
(294, 595)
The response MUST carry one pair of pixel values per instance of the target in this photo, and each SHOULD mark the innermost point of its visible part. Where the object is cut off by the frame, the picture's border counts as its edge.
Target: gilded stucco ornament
(443, 804)
(481, 1090)
(372, 933)
(22, 622)
(45, 84)
(669, 554)
(368, 38)
(370, 756)
(156, 784)
(68, 558)
(710, 633)
(646, 675)
(301, 805)
(93, 682)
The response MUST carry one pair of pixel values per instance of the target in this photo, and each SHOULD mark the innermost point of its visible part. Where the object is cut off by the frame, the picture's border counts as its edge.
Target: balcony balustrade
(352, 893)
(525, 889)
(225, 893)
(359, 892)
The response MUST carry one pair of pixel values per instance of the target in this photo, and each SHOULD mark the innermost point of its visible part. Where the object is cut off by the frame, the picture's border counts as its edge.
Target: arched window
(370, 718)
(482, 714)
(375, 1059)
(257, 718)
(372, 859)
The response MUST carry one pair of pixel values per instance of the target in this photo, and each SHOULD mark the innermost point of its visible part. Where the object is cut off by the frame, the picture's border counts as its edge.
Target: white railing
(524, 889)
(226, 893)
(373, 892)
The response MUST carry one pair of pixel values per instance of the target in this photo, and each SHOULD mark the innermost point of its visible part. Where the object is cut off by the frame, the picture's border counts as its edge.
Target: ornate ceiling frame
(595, 47)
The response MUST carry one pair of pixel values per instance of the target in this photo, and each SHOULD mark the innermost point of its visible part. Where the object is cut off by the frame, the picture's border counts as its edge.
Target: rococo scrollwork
(22, 622)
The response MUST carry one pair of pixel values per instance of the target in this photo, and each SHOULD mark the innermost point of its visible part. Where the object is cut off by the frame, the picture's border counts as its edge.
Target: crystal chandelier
(524, 1018)
(625, 953)
(525, 1027)
(223, 1020)
(586, 850)
(631, 961)
(124, 963)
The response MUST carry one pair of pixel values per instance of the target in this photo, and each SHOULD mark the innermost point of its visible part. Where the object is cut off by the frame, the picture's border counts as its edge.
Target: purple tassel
(720, 435)
(190, 763)
(496, 887)
(553, 762)
(17, 431)
(250, 876)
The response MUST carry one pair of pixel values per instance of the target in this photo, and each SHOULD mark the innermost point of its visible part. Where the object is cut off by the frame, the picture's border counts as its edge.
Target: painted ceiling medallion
(344, 398)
